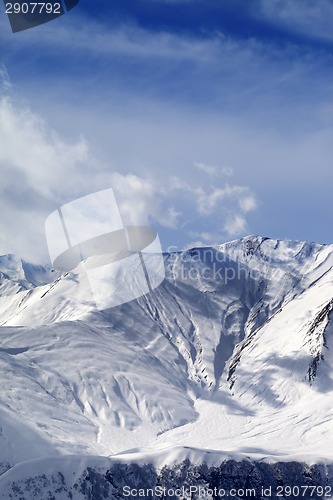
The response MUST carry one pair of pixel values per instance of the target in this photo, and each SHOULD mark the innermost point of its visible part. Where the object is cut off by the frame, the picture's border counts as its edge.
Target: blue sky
(210, 119)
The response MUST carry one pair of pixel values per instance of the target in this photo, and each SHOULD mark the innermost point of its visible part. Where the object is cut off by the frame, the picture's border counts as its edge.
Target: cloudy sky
(210, 119)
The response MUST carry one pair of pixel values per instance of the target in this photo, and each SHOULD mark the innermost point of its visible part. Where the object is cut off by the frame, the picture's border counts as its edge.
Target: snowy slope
(232, 353)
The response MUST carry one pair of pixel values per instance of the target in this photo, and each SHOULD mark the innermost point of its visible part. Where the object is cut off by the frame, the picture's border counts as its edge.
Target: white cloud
(125, 40)
(209, 201)
(311, 18)
(235, 225)
(141, 201)
(40, 171)
(213, 170)
(227, 171)
(5, 82)
(248, 203)
(239, 103)
(31, 150)
(205, 238)
(226, 205)
(210, 170)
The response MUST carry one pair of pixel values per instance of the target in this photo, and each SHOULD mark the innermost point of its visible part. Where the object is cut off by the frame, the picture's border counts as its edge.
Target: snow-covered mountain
(230, 358)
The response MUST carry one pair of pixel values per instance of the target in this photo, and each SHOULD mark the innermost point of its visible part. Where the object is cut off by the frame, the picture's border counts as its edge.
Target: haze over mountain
(231, 357)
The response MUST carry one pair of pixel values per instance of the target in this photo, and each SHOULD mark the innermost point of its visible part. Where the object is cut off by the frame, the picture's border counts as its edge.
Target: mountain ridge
(237, 338)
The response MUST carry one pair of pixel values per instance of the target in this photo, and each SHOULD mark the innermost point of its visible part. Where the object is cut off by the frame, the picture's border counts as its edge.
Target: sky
(210, 119)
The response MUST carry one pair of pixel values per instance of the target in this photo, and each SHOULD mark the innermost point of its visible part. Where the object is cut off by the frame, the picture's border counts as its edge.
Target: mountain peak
(241, 331)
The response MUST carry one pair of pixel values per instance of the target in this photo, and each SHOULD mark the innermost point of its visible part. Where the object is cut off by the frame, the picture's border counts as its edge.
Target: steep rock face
(112, 480)
(318, 337)
(236, 339)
